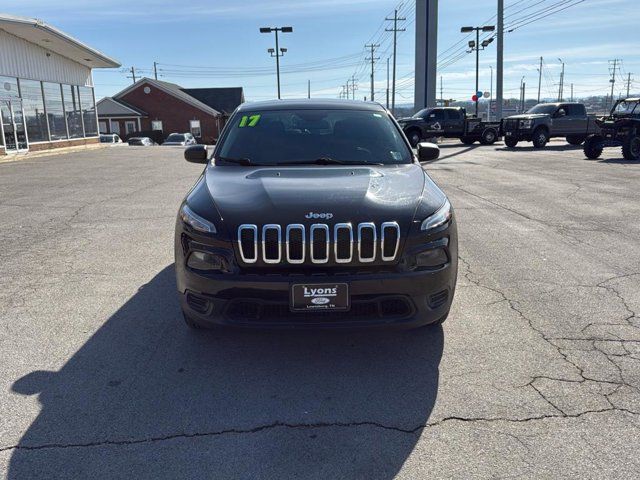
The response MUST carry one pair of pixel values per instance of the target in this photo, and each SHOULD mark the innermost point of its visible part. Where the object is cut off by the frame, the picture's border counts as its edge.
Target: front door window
(115, 127)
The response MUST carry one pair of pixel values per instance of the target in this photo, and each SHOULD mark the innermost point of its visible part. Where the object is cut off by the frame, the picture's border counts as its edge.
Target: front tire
(575, 140)
(190, 321)
(540, 138)
(467, 140)
(631, 148)
(489, 137)
(593, 147)
(414, 137)
(511, 142)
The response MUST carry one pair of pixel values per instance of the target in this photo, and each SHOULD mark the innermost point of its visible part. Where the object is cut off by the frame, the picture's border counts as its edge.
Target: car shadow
(552, 148)
(145, 397)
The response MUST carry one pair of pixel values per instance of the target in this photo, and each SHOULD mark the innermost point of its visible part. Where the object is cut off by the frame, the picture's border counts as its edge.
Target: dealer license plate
(320, 296)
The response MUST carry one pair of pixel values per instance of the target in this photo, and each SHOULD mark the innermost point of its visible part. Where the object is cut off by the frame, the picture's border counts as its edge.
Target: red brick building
(156, 106)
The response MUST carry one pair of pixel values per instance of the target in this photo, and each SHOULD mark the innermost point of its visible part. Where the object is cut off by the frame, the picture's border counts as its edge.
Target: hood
(355, 194)
(174, 143)
(528, 116)
(409, 119)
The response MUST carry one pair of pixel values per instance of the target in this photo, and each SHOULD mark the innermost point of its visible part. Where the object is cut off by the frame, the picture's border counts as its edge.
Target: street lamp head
(485, 43)
(488, 28)
(271, 50)
(467, 29)
(472, 44)
(283, 50)
(265, 29)
(286, 29)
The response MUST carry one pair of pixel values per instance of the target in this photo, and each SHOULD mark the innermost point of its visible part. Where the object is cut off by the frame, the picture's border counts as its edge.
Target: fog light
(430, 258)
(205, 261)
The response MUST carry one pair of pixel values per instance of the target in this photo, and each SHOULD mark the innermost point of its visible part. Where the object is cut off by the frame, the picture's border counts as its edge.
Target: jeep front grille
(296, 244)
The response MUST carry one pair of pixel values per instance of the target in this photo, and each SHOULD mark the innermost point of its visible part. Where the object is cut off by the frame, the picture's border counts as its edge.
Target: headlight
(526, 123)
(442, 216)
(195, 221)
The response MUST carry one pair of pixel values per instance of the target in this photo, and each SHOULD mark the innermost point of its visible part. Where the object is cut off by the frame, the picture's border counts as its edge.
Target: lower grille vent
(438, 299)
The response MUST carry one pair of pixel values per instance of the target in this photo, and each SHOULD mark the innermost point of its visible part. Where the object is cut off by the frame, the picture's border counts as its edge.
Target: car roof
(311, 104)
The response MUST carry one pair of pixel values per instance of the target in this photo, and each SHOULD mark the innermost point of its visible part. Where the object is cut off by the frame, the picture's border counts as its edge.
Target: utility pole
(539, 79)
(572, 92)
(155, 70)
(388, 82)
(441, 94)
(277, 52)
(522, 94)
(476, 46)
(490, 95)
(500, 60)
(353, 87)
(395, 31)
(133, 74)
(308, 88)
(561, 88)
(613, 76)
(372, 46)
(628, 84)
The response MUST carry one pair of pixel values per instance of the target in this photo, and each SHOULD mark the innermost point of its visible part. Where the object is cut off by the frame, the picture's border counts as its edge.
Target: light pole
(475, 46)
(277, 52)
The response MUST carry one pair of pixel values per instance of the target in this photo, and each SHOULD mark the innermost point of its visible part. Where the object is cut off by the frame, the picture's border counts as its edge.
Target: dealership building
(46, 87)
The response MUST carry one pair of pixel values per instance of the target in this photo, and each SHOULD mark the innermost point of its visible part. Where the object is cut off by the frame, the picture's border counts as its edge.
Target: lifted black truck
(549, 120)
(621, 128)
(449, 122)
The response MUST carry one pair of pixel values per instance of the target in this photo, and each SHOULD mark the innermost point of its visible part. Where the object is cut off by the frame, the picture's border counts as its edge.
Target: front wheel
(467, 140)
(575, 140)
(593, 147)
(489, 137)
(511, 142)
(631, 148)
(414, 137)
(540, 138)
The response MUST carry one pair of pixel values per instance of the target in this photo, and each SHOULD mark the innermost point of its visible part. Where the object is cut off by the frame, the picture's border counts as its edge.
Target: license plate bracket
(320, 297)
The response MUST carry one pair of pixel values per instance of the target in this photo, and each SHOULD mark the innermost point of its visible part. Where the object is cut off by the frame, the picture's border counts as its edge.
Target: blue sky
(203, 43)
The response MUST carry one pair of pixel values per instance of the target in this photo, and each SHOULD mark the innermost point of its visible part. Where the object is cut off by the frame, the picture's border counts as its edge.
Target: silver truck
(549, 120)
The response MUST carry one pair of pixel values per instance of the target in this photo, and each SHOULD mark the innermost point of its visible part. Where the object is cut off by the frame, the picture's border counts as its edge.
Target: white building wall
(22, 59)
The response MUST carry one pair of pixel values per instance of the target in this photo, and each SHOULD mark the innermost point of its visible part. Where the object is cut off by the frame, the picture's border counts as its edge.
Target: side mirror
(428, 152)
(196, 154)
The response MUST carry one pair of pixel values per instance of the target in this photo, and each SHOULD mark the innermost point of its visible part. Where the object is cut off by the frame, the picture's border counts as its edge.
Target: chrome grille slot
(271, 243)
(295, 243)
(367, 242)
(319, 241)
(248, 243)
(343, 242)
(321, 244)
(390, 242)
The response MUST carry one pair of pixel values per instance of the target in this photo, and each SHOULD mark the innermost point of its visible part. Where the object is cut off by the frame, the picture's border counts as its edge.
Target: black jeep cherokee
(315, 213)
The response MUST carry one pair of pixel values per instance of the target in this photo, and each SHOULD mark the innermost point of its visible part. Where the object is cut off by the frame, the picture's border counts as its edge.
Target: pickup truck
(448, 122)
(549, 120)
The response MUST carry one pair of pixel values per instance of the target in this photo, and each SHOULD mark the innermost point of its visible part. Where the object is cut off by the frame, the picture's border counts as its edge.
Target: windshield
(625, 108)
(543, 108)
(175, 137)
(421, 113)
(303, 136)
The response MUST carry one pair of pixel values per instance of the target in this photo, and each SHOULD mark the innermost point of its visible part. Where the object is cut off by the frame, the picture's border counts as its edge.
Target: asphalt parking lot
(535, 374)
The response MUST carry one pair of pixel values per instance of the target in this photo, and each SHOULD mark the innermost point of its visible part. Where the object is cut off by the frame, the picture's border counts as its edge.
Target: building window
(72, 110)
(102, 126)
(129, 127)
(194, 128)
(34, 114)
(156, 125)
(88, 112)
(55, 110)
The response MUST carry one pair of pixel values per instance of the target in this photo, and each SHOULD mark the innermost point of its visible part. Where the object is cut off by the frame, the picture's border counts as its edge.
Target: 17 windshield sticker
(249, 121)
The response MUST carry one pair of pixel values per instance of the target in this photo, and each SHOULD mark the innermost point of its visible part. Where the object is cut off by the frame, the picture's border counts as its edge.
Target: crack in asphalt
(308, 426)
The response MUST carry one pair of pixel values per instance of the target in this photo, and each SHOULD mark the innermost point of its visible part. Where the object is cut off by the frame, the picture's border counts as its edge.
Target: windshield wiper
(245, 162)
(328, 161)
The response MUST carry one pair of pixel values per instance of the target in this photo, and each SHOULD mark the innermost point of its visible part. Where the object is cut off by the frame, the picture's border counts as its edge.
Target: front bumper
(409, 299)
